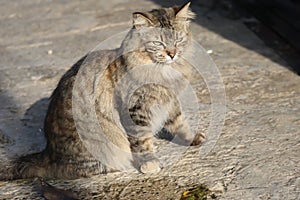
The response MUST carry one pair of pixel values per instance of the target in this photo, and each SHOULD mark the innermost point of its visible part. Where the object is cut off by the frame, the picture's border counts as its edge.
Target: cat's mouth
(170, 59)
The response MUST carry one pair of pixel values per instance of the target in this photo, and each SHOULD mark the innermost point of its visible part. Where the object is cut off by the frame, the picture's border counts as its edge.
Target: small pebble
(209, 51)
(50, 52)
(12, 15)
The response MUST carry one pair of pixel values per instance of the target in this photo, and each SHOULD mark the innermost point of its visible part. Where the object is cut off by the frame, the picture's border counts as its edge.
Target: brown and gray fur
(160, 38)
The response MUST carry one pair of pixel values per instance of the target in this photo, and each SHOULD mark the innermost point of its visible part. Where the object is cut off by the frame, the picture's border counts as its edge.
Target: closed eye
(158, 43)
(179, 40)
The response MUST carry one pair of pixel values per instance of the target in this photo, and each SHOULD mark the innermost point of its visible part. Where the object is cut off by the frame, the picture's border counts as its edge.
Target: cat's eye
(178, 40)
(158, 43)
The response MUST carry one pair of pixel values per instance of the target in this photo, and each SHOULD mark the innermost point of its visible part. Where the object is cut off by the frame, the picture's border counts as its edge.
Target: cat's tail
(28, 166)
(49, 166)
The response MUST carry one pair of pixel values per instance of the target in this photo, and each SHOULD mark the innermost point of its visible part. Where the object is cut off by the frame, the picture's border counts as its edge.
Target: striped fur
(158, 38)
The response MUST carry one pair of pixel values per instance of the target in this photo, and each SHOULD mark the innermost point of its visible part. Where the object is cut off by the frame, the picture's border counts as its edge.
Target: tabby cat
(159, 38)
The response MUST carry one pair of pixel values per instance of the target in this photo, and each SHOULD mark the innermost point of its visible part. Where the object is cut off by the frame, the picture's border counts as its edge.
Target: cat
(160, 37)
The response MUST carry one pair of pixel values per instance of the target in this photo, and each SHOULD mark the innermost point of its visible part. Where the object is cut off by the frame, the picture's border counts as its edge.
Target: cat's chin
(169, 62)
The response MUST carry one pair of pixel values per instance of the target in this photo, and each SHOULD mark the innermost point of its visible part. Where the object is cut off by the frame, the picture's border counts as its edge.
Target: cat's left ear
(141, 20)
(183, 12)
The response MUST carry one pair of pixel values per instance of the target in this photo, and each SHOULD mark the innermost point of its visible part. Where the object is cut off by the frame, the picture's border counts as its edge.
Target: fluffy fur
(158, 38)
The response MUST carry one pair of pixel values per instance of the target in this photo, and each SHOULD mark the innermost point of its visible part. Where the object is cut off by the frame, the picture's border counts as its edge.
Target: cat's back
(90, 62)
(59, 117)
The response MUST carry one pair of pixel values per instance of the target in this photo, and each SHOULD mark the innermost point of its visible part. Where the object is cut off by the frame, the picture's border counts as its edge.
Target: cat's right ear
(140, 20)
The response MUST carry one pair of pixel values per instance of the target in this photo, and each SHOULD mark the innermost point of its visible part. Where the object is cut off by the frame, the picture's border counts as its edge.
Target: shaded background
(276, 22)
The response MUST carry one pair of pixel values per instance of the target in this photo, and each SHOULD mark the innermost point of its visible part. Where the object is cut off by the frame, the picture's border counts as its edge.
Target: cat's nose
(171, 53)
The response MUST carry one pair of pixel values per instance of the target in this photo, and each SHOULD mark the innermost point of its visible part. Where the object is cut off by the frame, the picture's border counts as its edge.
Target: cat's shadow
(20, 134)
(233, 13)
(32, 137)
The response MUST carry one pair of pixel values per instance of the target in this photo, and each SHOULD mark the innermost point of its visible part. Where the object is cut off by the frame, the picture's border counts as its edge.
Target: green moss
(198, 193)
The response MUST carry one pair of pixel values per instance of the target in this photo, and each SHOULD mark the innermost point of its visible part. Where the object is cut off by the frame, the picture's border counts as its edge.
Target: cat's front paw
(151, 166)
(198, 139)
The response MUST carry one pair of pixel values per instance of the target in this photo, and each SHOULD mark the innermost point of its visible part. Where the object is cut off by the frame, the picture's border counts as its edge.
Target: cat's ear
(141, 20)
(183, 12)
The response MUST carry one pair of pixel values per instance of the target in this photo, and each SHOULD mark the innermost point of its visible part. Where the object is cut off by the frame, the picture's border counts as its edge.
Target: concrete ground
(256, 155)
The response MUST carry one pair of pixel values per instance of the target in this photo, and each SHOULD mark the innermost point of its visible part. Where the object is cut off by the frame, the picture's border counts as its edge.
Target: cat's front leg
(181, 132)
(143, 153)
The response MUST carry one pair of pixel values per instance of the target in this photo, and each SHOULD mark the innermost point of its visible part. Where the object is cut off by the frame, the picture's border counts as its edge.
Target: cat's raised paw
(198, 139)
(151, 166)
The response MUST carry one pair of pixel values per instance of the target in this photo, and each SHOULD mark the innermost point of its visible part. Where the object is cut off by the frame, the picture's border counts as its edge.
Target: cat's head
(163, 33)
